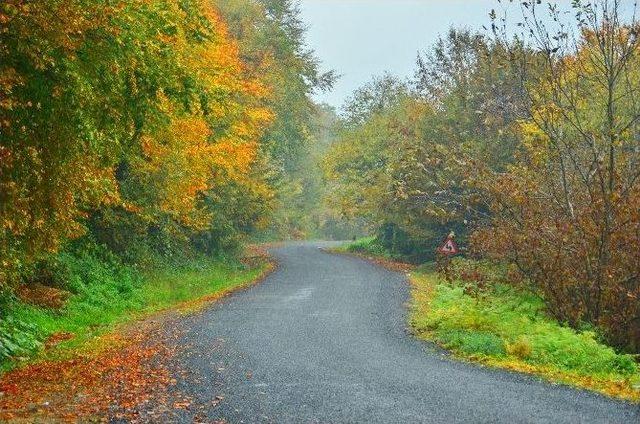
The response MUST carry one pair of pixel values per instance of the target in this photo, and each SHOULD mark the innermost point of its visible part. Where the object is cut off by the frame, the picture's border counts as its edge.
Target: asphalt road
(323, 340)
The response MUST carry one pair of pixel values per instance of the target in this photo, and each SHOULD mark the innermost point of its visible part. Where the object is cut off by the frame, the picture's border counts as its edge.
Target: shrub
(521, 348)
(368, 245)
(17, 337)
(473, 342)
(566, 216)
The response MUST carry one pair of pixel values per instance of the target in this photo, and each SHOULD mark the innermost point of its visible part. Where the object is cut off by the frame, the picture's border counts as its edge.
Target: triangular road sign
(449, 247)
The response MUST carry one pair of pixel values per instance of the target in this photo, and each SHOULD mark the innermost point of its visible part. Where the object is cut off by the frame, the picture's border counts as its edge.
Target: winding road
(323, 340)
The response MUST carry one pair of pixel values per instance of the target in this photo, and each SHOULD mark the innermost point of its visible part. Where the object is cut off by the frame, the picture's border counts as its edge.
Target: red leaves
(127, 370)
(57, 338)
(44, 296)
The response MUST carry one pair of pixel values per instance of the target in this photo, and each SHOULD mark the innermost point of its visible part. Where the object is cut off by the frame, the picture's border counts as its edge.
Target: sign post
(447, 249)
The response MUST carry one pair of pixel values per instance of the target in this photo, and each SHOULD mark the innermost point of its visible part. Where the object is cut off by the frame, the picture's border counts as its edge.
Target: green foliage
(473, 342)
(368, 245)
(379, 247)
(101, 281)
(103, 291)
(17, 337)
(107, 292)
(376, 97)
(392, 243)
(411, 247)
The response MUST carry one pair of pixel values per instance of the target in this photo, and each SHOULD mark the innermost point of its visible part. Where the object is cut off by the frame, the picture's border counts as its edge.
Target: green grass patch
(506, 327)
(107, 293)
(368, 246)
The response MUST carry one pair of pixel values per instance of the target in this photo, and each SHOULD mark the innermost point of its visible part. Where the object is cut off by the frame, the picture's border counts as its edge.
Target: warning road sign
(449, 247)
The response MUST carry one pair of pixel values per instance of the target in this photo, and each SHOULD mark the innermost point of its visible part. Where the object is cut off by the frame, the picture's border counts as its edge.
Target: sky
(363, 38)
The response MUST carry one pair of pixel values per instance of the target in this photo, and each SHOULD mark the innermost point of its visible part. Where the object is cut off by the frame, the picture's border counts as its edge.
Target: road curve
(323, 340)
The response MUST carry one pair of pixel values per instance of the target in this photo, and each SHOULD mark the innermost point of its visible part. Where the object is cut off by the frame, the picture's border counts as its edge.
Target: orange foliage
(182, 130)
(184, 159)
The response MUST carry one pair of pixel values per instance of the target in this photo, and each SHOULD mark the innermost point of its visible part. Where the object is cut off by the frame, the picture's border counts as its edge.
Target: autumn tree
(425, 140)
(130, 121)
(272, 45)
(203, 135)
(567, 211)
(57, 134)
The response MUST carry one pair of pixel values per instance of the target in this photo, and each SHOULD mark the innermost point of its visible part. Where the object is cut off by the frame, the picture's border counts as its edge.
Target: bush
(473, 342)
(107, 291)
(369, 245)
(479, 271)
(566, 216)
(412, 248)
(521, 348)
(102, 287)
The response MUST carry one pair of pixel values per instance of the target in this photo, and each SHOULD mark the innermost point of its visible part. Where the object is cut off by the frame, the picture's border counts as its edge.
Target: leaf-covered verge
(105, 293)
(479, 318)
(88, 384)
(98, 345)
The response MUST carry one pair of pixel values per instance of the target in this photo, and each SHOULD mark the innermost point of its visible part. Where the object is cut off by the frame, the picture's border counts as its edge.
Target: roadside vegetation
(104, 294)
(477, 313)
(526, 145)
(144, 143)
(369, 246)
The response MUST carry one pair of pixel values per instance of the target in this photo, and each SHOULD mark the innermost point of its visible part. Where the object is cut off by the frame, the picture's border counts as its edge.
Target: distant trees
(271, 36)
(527, 147)
(367, 168)
(408, 152)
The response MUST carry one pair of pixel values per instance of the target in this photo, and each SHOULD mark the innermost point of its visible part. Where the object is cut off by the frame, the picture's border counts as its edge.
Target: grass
(367, 246)
(508, 328)
(107, 295)
(505, 327)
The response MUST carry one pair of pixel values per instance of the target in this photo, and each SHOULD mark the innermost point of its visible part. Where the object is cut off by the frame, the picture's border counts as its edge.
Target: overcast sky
(363, 38)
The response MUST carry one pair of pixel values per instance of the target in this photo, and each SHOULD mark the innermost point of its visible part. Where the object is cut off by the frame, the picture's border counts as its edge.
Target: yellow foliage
(185, 159)
(521, 348)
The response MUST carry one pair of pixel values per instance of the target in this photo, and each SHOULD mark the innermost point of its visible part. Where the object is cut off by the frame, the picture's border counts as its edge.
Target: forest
(147, 133)
(526, 146)
(148, 146)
